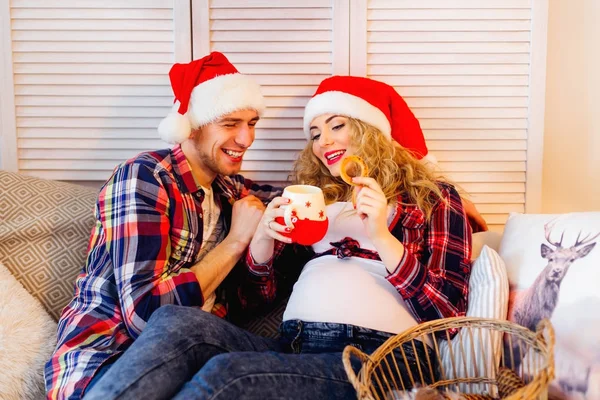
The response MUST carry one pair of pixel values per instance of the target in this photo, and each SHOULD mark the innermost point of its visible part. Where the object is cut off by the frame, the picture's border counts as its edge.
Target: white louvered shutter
(464, 68)
(288, 47)
(91, 81)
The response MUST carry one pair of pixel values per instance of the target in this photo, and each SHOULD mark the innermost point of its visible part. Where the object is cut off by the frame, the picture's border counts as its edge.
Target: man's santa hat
(372, 102)
(205, 90)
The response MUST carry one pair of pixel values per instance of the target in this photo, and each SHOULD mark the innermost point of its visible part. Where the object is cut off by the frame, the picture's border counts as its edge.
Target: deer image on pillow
(553, 264)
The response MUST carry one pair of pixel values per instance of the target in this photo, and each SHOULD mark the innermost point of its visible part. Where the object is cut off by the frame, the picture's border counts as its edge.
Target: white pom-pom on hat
(174, 128)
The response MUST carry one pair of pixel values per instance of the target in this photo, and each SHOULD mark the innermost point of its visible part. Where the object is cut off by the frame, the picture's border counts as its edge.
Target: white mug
(306, 212)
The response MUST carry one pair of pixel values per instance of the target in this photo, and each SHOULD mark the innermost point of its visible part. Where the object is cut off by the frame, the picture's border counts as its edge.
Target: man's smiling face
(220, 146)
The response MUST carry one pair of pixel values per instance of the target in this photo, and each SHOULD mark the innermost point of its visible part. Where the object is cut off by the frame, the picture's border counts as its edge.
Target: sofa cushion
(490, 239)
(27, 339)
(267, 323)
(44, 231)
(553, 264)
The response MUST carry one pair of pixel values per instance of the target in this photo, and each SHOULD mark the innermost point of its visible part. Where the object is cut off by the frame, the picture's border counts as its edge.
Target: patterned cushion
(44, 231)
(267, 324)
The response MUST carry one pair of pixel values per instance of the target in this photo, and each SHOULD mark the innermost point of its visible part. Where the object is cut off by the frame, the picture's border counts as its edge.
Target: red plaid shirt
(433, 275)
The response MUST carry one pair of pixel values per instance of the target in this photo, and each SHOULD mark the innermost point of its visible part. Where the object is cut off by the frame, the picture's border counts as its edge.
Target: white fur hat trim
(345, 104)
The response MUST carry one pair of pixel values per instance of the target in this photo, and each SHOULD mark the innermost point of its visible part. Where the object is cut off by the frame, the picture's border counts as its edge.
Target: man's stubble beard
(211, 163)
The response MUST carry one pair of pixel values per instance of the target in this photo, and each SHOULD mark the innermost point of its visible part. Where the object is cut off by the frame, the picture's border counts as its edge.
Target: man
(170, 225)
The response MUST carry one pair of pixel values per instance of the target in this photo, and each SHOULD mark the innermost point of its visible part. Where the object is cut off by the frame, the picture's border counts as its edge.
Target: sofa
(44, 231)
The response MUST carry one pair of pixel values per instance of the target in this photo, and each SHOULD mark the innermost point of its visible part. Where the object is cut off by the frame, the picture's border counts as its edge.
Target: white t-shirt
(212, 234)
(352, 290)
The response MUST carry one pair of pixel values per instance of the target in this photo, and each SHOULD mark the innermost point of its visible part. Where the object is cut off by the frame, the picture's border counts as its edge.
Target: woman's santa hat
(205, 90)
(373, 102)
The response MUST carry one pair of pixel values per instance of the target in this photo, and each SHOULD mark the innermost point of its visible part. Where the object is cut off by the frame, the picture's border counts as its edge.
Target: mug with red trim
(306, 213)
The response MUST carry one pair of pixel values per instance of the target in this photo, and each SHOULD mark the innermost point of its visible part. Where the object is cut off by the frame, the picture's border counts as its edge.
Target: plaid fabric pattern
(147, 235)
(433, 275)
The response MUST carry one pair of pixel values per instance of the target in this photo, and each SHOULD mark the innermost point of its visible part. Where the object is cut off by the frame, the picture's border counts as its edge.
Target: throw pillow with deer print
(553, 265)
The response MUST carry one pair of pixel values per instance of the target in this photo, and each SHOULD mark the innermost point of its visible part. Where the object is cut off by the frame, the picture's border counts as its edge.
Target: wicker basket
(520, 368)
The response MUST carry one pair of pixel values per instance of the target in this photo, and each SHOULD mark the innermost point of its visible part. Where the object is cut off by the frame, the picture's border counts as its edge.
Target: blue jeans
(185, 353)
(99, 374)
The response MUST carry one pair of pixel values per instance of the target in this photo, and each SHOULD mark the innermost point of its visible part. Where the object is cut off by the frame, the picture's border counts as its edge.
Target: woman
(398, 258)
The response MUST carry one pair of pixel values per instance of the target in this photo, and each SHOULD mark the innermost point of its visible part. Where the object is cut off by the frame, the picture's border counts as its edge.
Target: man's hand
(476, 221)
(245, 217)
(216, 265)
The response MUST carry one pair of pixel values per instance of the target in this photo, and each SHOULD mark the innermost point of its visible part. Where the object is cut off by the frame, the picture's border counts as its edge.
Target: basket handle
(545, 330)
(349, 351)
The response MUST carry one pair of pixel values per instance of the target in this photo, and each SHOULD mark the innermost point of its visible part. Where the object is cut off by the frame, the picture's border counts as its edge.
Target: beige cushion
(27, 339)
(44, 231)
(490, 239)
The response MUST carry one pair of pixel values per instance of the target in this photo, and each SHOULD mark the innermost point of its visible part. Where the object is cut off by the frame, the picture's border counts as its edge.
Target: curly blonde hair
(392, 166)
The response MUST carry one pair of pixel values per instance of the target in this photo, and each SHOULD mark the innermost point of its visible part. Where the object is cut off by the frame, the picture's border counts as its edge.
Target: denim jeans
(185, 353)
(99, 374)
(310, 368)
(176, 342)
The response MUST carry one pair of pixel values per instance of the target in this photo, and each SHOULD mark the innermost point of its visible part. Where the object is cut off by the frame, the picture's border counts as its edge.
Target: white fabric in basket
(488, 298)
